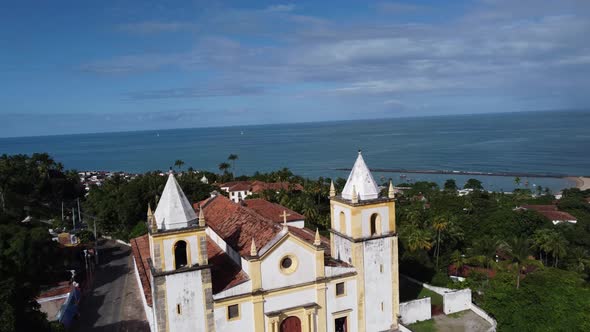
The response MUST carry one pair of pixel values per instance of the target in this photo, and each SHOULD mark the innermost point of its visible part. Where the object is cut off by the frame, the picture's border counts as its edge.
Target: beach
(582, 182)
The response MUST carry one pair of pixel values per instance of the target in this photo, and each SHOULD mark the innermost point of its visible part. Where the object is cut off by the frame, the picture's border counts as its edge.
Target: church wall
(244, 323)
(185, 289)
(192, 250)
(234, 255)
(383, 211)
(337, 306)
(336, 219)
(284, 300)
(272, 274)
(342, 249)
(149, 314)
(378, 284)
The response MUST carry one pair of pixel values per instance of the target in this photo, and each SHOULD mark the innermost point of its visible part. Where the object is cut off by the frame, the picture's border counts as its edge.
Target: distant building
(239, 190)
(232, 267)
(551, 212)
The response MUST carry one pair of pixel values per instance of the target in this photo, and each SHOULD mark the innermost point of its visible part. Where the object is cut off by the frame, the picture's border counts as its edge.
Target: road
(114, 305)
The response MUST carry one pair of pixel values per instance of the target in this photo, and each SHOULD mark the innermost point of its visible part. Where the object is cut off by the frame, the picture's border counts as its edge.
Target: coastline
(582, 183)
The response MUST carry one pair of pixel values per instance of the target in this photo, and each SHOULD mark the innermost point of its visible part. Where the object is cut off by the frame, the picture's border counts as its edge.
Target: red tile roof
(540, 207)
(240, 187)
(60, 288)
(238, 225)
(141, 252)
(224, 272)
(259, 186)
(550, 212)
(271, 211)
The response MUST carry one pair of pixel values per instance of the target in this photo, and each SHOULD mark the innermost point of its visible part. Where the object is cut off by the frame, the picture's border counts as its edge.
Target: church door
(291, 324)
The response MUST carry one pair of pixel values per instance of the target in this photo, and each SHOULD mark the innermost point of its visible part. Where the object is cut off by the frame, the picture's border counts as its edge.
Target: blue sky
(95, 66)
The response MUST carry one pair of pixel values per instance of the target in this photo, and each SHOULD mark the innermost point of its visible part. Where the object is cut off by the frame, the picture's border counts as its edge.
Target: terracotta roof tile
(225, 273)
(242, 186)
(141, 252)
(271, 211)
(259, 186)
(540, 207)
(238, 225)
(550, 212)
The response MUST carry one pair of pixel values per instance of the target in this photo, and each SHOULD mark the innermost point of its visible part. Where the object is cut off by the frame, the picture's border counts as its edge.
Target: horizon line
(299, 122)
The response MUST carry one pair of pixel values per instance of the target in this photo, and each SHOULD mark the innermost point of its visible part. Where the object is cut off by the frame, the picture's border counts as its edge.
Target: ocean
(531, 142)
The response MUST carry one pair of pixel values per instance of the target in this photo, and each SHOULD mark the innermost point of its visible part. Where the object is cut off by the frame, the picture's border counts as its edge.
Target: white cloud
(280, 8)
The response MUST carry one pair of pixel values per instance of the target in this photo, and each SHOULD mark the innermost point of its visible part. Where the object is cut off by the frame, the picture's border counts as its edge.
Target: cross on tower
(284, 215)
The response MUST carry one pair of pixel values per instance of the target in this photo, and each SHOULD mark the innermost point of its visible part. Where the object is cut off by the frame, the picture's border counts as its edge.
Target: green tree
(519, 251)
(417, 238)
(233, 157)
(517, 181)
(450, 185)
(178, 163)
(224, 167)
(557, 246)
(473, 184)
(439, 224)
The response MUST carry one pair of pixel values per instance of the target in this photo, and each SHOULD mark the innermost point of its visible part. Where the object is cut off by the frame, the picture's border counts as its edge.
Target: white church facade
(222, 266)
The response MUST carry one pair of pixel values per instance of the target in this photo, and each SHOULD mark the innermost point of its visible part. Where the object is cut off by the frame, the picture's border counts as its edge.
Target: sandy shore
(581, 182)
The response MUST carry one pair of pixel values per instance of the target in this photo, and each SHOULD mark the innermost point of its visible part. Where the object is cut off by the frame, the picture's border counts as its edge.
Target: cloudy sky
(94, 66)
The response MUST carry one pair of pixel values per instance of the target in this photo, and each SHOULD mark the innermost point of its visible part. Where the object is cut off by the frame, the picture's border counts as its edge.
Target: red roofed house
(236, 267)
(552, 213)
(239, 190)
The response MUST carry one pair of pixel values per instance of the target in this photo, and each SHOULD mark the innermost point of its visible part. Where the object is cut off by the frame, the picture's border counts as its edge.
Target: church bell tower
(363, 234)
(180, 273)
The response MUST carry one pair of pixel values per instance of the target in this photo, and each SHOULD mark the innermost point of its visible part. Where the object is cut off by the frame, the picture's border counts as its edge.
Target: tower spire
(317, 240)
(201, 217)
(253, 250)
(332, 189)
(151, 219)
(391, 193)
(354, 196)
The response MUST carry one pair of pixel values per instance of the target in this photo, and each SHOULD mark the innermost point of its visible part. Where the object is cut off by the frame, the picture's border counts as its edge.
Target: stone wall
(456, 301)
(415, 311)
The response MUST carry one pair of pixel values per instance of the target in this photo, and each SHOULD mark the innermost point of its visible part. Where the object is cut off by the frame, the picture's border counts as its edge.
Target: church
(218, 265)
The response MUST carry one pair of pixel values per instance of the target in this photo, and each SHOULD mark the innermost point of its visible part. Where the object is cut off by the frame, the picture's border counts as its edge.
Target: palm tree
(578, 259)
(517, 181)
(541, 239)
(417, 238)
(233, 157)
(224, 167)
(178, 163)
(439, 224)
(557, 245)
(519, 250)
(458, 260)
(485, 250)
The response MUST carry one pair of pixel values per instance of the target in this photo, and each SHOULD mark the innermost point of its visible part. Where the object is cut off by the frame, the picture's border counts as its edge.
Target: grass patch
(424, 326)
(411, 291)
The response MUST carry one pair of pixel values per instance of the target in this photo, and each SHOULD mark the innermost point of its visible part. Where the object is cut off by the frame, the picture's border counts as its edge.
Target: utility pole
(62, 211)
(95, 242)
(79, 216)
(73, 219)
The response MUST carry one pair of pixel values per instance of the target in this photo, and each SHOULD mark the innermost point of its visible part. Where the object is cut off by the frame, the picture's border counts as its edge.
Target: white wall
(147, 309)
(378, 284)
(191, 242)
(366, 220)
(415, 311)
(296, 223)
(243, 324)
(338, 304)
(342, 249)
(336, 223)
(185, 289)
(457, 301)
(234, 255)
(273, 277)
(289, 300)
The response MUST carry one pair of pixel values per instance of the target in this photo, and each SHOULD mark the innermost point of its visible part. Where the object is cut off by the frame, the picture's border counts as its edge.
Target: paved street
(115, 303)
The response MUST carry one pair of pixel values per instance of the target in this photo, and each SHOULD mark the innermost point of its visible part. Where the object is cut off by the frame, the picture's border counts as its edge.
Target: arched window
(342, 221)
(375, 224)
(180, 259)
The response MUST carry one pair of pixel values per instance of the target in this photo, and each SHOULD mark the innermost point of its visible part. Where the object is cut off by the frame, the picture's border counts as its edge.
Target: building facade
(224, 266)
